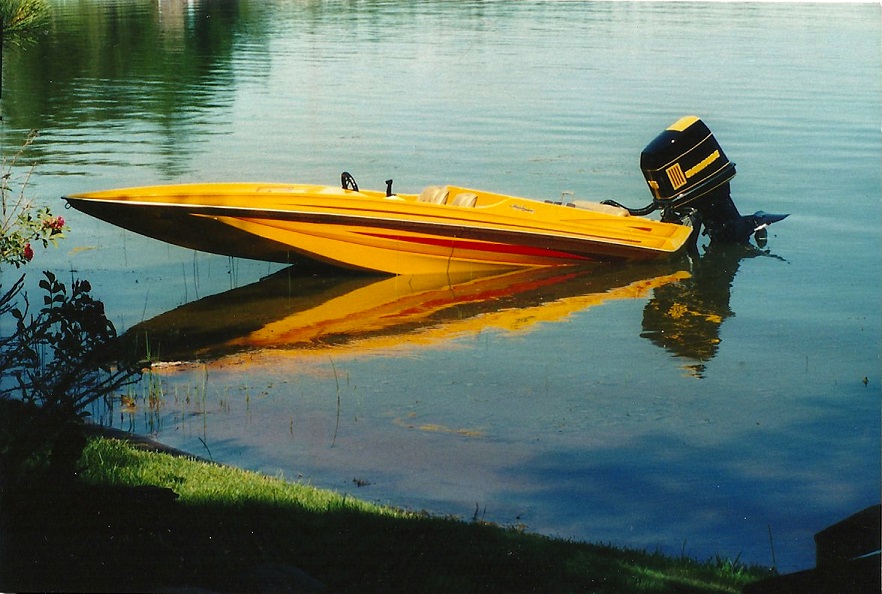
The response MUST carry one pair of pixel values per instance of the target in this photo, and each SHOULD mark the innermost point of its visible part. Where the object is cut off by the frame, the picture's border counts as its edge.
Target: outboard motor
(688, 174)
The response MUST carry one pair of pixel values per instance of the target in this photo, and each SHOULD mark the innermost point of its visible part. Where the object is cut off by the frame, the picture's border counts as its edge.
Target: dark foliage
(55, 363)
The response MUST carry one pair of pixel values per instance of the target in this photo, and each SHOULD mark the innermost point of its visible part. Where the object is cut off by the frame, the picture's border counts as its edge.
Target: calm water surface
(691, 407)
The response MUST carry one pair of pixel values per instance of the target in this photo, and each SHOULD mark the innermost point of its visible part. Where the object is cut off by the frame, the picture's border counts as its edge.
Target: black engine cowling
(685, 163)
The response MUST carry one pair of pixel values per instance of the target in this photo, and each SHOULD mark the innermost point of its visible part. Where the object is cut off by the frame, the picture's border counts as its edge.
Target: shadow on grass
(143, 521)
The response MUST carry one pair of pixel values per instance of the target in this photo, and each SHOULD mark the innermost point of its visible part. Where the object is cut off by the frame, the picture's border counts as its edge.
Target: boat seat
(598, 207)
(434, 195)
(466, 199)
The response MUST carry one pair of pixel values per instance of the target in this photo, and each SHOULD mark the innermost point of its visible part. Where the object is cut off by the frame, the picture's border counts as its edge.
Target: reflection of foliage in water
(101, 60)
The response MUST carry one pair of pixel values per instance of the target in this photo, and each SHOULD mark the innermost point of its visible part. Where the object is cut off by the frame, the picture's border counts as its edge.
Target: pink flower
(56, 224)
(28, 252)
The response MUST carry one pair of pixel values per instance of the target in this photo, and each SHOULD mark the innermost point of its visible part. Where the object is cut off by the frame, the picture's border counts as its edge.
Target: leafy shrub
(54, 361)
(21, 224)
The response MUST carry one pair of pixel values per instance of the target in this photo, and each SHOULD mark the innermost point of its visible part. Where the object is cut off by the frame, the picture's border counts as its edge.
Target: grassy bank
(137, 520)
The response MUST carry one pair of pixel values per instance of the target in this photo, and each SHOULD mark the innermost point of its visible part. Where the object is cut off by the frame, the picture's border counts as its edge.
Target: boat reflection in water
(306, 313)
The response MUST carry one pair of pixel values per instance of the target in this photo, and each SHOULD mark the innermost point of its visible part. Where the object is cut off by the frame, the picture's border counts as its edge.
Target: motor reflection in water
(308, 312)
(685, 317)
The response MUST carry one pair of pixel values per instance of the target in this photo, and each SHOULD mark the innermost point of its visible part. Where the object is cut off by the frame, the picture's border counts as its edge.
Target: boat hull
(370, 231)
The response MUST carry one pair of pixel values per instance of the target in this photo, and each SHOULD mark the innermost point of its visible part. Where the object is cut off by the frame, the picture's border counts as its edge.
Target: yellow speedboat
(447, 229)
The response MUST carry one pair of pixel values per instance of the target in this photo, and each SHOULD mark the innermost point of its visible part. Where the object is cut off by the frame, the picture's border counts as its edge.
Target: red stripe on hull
(482, 246)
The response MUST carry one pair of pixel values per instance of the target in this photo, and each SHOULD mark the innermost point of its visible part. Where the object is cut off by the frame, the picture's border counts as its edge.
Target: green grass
(106, 532)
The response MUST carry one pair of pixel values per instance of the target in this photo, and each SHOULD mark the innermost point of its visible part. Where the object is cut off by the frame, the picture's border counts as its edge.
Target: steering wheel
(348, 182)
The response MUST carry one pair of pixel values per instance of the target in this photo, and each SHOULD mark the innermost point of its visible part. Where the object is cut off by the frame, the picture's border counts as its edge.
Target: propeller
(761, 221)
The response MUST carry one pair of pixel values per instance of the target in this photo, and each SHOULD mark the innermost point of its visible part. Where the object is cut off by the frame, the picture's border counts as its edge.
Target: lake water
(688, 407)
